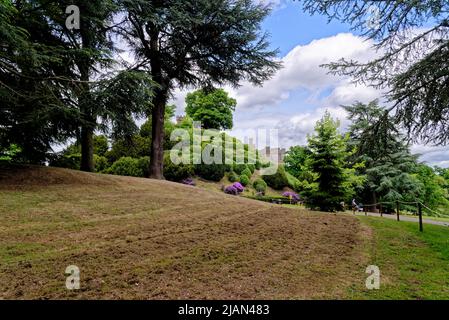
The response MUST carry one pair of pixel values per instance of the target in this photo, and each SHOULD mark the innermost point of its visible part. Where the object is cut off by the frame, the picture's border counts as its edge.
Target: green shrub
(144, 165)
(101, 163)
(244, 180)
(126, 166)
(213, 172)
(247, 173)
(238, 168)
(9, 154)
(272, 199)
(232, 176)
(176, 172)
(293, 182)
(260, 185)
(252, 167)
(70, 161)
(278, 180)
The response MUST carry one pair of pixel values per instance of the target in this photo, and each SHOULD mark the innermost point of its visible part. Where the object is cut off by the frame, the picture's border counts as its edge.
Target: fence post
(397, 209)
(420, 216)
(380, 208)
(364, 209)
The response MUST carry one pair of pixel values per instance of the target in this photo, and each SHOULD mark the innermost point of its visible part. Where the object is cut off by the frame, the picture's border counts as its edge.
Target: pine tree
(388, 161)
(327, 160)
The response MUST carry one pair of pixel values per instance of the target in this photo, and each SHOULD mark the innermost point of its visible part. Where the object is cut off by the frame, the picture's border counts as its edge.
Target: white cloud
(295, 130)
(302, 70)
(270, 106)
(433, 155)
(346, 93)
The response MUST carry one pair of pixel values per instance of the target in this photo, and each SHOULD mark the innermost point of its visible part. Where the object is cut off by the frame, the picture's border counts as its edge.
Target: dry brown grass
(144, 239)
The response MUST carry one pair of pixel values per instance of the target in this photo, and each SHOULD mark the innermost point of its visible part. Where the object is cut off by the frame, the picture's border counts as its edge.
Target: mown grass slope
(146, 239)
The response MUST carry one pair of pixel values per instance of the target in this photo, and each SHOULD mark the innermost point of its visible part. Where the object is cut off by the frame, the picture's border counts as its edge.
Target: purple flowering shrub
(291, 195)
(188, 181)
(231, 190)
(238, 186)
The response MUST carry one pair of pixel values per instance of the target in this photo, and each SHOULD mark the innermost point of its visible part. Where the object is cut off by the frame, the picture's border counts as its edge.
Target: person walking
(355, 207)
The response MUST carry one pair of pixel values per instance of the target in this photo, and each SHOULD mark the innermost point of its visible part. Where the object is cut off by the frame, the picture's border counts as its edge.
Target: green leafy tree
(412, 38)
(433, 193)
(328, 160)
(214, 109)
(295, 162)
(197, 43)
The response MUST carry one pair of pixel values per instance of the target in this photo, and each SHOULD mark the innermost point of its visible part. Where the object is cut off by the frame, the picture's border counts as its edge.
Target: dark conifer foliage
(413, 61)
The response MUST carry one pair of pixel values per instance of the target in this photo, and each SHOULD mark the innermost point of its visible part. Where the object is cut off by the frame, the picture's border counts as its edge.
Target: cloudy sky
(298, 95)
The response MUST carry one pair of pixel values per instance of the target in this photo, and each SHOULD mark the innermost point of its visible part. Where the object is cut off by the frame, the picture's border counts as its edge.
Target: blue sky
(298, 94)
(289, 26)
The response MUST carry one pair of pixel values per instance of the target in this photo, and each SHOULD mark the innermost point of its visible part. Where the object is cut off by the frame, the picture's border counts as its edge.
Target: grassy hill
(135, 238)
(141, 238)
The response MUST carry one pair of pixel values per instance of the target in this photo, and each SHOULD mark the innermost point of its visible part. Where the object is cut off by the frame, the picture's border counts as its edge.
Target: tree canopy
(213, 108)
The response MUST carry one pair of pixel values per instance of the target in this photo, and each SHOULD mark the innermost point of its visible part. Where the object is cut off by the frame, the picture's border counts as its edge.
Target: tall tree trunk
(87, 148)
(373, 201)
(157, 140)
(88, 126)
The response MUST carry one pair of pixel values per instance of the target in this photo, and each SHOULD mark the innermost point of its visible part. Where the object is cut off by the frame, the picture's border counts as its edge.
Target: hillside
(146, 239)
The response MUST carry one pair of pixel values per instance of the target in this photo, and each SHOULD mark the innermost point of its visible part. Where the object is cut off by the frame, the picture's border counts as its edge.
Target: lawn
(413, 264)
(136, 238)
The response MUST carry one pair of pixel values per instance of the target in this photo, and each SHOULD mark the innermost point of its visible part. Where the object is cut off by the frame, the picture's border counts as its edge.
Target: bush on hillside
(247, 173)
(238, 186)
(69, 161)
(260, 185)
(294, 198)
(101, 163)
(238, 168)
(213, 172)
(232, 176)
(231, 190)
(176, 172)
(252, 167)
(126, 166)
(278, 180)
(244, 180)
(293, 182)
(144, 165)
